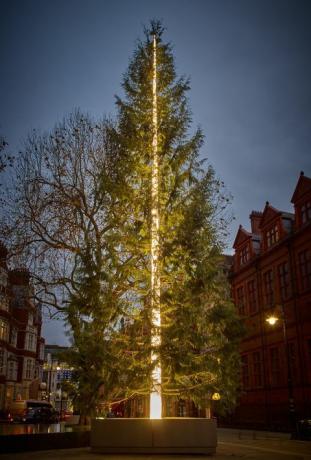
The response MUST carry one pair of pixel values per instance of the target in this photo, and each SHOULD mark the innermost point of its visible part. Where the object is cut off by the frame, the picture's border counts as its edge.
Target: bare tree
(56, 208)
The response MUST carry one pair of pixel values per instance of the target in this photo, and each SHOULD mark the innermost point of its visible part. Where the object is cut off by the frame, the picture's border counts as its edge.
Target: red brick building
(271, 275)
(21, 344)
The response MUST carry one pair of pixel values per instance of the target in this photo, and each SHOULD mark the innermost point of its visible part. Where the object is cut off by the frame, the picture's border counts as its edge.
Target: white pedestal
(142, 435)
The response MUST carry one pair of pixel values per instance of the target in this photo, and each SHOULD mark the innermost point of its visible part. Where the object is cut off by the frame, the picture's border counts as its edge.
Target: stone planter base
(146, 436)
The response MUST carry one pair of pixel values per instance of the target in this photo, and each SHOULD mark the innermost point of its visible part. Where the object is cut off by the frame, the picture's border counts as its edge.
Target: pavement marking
(264, 449)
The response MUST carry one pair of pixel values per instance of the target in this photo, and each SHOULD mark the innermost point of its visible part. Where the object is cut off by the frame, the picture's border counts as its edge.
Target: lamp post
(60, 393)
(50, 379)
(272, 320)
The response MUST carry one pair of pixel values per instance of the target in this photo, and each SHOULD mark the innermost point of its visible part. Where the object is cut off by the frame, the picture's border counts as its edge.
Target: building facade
(55, 372)
(21, 344)
(271, 277)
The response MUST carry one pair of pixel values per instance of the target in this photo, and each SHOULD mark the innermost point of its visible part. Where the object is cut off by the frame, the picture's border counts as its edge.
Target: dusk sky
(248, 61)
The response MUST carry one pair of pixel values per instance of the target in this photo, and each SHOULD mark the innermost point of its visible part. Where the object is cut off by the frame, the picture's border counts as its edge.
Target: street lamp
(272, 320)
(50, 370)
(60, 392)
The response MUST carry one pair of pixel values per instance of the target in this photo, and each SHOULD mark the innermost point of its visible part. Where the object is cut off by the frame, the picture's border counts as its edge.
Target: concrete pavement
(263, 445)
(232, 444)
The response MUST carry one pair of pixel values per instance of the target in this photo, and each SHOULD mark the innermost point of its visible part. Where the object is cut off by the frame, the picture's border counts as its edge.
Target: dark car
(21, 409)
(40, 415)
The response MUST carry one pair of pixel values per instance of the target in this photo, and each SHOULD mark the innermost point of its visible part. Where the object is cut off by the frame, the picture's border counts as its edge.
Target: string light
(155, 395)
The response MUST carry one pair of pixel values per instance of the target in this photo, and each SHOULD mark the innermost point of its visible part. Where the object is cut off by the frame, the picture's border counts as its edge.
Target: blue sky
(248, 61)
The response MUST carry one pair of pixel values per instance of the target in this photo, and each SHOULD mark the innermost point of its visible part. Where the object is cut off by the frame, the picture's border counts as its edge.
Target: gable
(269, 214)
(241, 237)
(303, 187)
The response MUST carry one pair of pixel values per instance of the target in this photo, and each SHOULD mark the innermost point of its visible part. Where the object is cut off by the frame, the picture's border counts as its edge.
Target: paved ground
(232, 444)
(260, 445)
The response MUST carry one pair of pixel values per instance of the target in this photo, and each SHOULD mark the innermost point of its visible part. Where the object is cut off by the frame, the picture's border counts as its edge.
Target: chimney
(255, 218)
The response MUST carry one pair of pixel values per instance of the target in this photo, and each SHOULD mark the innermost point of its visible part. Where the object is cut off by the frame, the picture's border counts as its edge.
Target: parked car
(24, 409)
(40, 415)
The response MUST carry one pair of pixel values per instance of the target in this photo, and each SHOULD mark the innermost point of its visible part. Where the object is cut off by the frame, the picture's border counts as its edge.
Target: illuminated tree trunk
(155, 396)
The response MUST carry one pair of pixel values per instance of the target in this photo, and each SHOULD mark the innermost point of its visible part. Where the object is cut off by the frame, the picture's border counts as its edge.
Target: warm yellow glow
(216, 397)
(272, 320)
(155, 395)
(155, 405)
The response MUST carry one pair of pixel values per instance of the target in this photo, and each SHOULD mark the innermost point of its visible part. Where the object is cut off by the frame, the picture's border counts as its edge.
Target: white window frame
(28, 368)
(3, 361)
(14, 335)
(12, 368)
(4, 329)
(31, 341)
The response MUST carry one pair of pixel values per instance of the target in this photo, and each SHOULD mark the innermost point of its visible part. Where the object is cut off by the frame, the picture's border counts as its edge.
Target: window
(3, 357)
(28, 368)
(241, 300)
(283, 273)
(293, 361)
(12, 369)
(272, 236)
(244, 255)
(268, 287)
(181, 408)
(245, 371)
(304, 259)
(13, 336)
(41, 351)
(169, 406)
(139, 407)
(252, 298)
(4, 330)
(306, 212)
(30, 342)
(275, 366)
(4, 301)
(257, 369)
(39, 372)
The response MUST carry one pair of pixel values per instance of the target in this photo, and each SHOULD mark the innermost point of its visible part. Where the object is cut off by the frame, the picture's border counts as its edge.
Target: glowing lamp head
(272, 320)
(215, 396)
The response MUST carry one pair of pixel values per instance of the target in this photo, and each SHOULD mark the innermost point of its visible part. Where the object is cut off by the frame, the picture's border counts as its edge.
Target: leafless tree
(56, 207)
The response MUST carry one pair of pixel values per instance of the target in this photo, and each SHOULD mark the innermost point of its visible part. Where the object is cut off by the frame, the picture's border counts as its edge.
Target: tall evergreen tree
(199, 328)
(84, 214)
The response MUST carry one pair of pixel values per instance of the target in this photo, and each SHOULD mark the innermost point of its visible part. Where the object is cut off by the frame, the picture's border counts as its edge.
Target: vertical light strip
(155, 395)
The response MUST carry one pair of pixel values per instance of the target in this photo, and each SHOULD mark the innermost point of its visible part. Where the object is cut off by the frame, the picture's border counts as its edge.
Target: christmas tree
(123, 225)
(171, 225)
